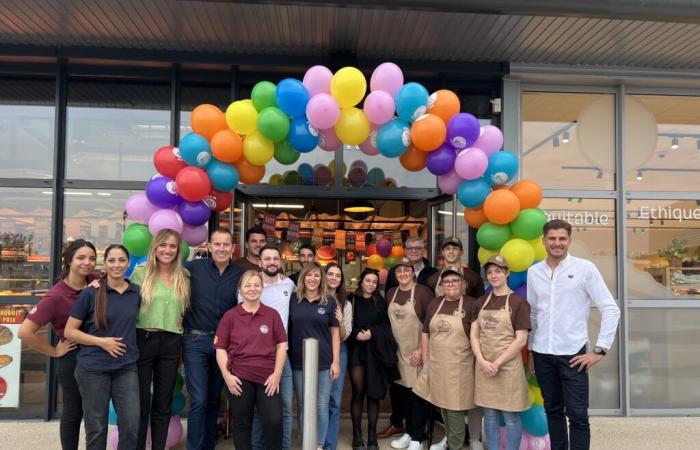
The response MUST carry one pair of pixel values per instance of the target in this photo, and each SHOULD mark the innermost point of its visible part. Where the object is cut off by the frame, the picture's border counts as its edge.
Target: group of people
(433, 339)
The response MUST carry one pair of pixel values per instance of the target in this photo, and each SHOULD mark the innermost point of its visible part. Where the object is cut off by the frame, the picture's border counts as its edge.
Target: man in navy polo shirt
(213, 286)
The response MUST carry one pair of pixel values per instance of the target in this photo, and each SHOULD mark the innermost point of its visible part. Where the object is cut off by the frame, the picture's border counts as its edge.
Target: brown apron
(507, 391)
(448, 381)
(407, 330)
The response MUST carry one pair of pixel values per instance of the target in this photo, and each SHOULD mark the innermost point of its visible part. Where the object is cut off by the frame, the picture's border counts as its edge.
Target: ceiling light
(565, 137)
(449, 213)
(640, 175)
(104, 194)
(674, 143)
(359, 207)
(85, 194)
(277, 206)
(555, 141)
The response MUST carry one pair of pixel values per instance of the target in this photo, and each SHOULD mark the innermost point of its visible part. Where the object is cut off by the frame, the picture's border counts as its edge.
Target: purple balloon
(139, 208)
(357, 176)
(462, 130)
(522, 291)
(194, 235)
(194, 213)
(449, 182)
(165, 219)
(162, 193)
(384, 247)
(322, 175)
(442, 160)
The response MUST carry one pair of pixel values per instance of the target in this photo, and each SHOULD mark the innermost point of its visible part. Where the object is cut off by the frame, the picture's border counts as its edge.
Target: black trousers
(72, 410)
(269, 411)
(399, 404)
(565, 394)
(159, 358)
(415, 411)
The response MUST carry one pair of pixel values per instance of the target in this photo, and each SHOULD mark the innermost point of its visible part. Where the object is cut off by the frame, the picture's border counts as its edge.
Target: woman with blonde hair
(312, 315)
(165, 295)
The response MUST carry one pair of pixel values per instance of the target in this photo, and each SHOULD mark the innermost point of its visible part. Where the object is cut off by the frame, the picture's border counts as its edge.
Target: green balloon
(492, 236)
(273, 123)
(528, 225)
(390, 262)
(184, 250)
(179, 382)
(263, 95)
(137, 239)
(285, 153)
(291, 178)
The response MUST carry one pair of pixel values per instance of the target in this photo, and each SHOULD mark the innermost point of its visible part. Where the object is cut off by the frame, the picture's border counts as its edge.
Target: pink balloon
(317, 80)
(369, 146)
(357, 176)
(139, 208)
(113, 439)
(379, 107)
(383, 274)
(536, 442)
(360, 163)
(165, 219)
(490, 140)
(449, 182)
(194, 235)
(174, 431)
(322, 111)
(471, 163)
(387, 77)
(328, 140)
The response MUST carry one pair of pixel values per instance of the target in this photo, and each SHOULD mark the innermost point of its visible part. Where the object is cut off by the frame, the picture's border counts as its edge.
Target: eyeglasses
(451, 282)
(414, 249)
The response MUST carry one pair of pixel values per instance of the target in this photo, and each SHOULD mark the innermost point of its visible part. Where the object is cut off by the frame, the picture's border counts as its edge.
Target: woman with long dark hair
(103, 322)
(165, 296)
(79, 259)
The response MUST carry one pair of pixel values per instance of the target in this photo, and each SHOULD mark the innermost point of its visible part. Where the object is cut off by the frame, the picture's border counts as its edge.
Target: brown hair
(69, 252)
(341, 295)
(376, 296)
(100, 316)
(179, 275)
(301, 282)
(556, 224)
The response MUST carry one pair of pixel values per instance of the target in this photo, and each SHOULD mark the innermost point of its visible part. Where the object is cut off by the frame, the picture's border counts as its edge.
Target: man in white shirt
(560, 290)
(277, 289)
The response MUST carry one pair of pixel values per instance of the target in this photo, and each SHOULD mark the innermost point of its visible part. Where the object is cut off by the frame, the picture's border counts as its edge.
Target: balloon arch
(398, 120)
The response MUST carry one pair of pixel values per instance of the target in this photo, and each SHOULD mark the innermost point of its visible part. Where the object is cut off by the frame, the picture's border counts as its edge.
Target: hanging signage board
(268, 224)
(293, 231)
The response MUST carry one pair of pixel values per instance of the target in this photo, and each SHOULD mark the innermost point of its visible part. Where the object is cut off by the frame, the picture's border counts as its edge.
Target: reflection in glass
(394, 174)
(25, 240)
(568, 140)
(193, 96)
(604, 378)
(442, 229)
(664, 358)
(663, 240)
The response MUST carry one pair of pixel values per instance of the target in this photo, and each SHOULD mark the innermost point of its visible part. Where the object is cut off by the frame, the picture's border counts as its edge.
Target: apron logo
(459, 313)
(321, 310)
(399, 315)
(490, 324)
(444, 327)
(264, 329)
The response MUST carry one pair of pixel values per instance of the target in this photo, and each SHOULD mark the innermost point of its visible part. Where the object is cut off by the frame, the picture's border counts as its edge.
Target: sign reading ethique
(11, 317)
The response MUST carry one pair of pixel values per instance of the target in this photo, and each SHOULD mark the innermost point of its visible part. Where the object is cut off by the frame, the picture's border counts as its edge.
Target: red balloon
(371, 249)
(193, 184)
(218, 201)
(168, 162)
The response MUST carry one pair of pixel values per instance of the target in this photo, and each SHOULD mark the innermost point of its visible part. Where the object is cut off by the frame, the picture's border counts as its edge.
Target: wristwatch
(599, 351)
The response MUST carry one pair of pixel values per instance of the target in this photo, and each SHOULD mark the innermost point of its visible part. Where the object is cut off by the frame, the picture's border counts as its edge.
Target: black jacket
(423, 277)
(382, 361)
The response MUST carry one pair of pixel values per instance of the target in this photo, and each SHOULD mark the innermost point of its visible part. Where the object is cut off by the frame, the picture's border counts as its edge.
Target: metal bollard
(310, 394)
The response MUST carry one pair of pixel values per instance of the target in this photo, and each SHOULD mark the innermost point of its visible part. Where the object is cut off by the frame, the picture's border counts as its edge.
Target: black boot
(357, 442)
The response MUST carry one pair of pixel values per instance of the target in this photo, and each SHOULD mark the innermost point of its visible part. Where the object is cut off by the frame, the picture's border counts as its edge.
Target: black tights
(359, 391)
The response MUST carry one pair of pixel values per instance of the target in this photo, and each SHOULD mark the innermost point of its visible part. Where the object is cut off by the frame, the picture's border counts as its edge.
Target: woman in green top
(165, 295)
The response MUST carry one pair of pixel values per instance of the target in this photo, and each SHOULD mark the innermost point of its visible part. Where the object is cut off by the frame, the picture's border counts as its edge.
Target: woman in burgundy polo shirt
(79, 260)
(251, 348)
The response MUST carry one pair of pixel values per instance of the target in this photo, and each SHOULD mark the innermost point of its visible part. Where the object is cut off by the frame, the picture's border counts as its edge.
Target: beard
(271, 273)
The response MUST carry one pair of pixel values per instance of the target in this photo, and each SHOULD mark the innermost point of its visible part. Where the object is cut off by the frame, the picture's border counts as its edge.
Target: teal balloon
(179, 382)
(178, 404)
(285, 153)
(263, 95)
(112, 417)
(137, 239)
(223, 177)
(492, 236)
(528, 224)
(534, 420)
(411, 101)
(472, 193)
(375, 177)
(503, 166)
(393, 138)
(195, 150)
(273, 123)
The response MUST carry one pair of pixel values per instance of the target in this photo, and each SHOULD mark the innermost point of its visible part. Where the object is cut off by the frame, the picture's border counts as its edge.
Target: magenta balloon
(384, 247)
(317, 80)
(194, 235)
(322, 175)
(174, 431)
(449, 182)
(139, 208)
(471, 163)
(379, 107)
(165, 219)
(387, 77)
(359, 163)
(490, 140)
(113, 439)
(357, 176)
(322, 111)
(369, 146)
(328, 140)
(442, 160)
(462, 130)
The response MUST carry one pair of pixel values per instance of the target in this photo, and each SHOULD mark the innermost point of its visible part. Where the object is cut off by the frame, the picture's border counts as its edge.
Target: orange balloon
(249, 173)
(443, 103)
(428, 132)
(474, 217)
(413, 159)
(501, 207)
(206, 120)
(227, 146)
(397, 252)
(528, 192)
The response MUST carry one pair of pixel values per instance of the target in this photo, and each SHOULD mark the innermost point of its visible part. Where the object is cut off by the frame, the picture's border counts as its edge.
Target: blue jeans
(97, 388)
(204, 383)
(514, 429)
(286, 390)
(335, 400)
(324, 397)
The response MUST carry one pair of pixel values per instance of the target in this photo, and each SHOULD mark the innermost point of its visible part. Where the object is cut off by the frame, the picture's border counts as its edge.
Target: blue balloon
(534, 420)
(375, 177)
(517, 279)
(472, 193)
(195, 150)
(502, 168)
(393, 138)
(302, 136)
(411, 101)
(178, 404)
(224, 177)
(306, 172)
(112, 417)
(292, 97)
(130, 269)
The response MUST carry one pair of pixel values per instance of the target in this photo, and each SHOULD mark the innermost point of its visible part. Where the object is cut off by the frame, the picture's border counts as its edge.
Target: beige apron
(407, 330)
(448, 381)
(507, 391)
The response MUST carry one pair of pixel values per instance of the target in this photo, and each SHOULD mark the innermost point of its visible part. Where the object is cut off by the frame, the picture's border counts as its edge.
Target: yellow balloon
(275, 179)
(519, 254)
(534, 395)
(352, 127)
(484, 254)
(242, 117)
(343, 168)
(538, 247)
(348, 86)
(257, 150)
(375, 262)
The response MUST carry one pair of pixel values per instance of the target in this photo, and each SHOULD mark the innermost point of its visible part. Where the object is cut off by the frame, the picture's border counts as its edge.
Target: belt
(200, 332)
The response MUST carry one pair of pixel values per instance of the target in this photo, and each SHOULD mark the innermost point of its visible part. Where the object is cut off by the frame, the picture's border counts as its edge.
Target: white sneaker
(415, 445)
(402, 442)
(442, 445)
(475, 445)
